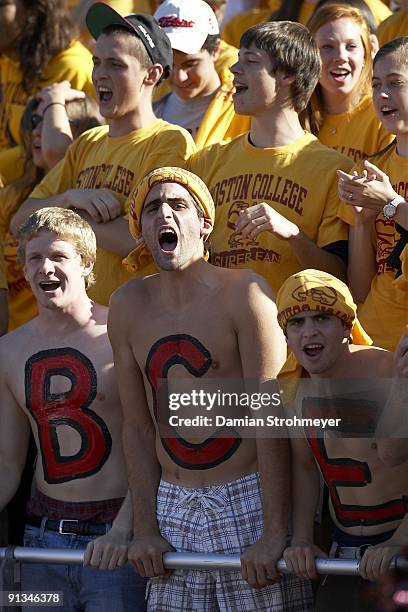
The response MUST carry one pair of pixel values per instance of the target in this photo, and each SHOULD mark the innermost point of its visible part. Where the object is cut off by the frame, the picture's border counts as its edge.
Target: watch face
(389, 210)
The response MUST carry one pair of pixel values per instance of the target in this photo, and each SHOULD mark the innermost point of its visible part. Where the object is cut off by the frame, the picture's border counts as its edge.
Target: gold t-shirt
(298, 180)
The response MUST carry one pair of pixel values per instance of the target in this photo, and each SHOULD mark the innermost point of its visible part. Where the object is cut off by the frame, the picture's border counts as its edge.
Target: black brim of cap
(101, 16)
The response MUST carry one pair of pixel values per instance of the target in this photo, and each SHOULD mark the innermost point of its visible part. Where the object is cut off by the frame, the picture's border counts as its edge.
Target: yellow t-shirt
(384, 313)
(96, 160)
(74, 64)
(22, 305)
(395, 26)
(298, 181)
(241, 22)
(357, 134)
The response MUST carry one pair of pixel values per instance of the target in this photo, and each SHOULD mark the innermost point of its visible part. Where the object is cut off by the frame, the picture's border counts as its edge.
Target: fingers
(255, 575)
(148, 559)
(74, 94)
(374, 171)
(376, 562)
(252, 227)
(100, 204)
(104, 555)
(300, 560)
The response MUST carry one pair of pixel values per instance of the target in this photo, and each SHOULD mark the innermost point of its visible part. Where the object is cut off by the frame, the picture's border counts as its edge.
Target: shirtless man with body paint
(57, 379)
(364, 461)
(198, 322)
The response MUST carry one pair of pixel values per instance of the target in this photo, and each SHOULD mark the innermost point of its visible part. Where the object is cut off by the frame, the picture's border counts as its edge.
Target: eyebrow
(159, 201)
(248, 52)
(390, 74)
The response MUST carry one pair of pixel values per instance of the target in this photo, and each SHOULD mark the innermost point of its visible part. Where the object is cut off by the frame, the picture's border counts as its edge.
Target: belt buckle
(61, 526)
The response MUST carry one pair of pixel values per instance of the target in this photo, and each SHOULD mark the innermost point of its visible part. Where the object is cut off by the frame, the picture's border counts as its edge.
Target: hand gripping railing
(339, 567)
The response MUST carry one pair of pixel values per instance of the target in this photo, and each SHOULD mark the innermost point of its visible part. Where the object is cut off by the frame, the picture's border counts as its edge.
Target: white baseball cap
(187, 23)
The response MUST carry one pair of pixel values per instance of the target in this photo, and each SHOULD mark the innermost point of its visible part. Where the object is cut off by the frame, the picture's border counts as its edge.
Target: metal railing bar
(180, 560)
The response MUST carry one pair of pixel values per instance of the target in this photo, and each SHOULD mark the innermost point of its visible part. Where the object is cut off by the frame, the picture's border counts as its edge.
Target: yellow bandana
(140, 257)
(313, 290)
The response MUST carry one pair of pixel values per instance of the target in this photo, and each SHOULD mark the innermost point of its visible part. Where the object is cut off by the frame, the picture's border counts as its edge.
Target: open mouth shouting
(168, 240)
(313, 350)
(49, 286)
(105, 94)
(239, 88)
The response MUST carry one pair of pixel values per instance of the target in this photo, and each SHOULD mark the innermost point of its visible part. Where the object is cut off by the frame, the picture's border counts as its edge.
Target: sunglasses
(36, 119)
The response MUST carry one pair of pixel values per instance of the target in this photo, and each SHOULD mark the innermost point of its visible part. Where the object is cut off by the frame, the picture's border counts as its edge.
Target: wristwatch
(390, 209)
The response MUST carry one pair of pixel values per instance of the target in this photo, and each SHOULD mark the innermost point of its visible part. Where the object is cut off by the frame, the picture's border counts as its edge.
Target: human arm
(262, 349)
(14, 434)
(113, 236)
(101, 204)
(110, 550)
(376, 559)
(139, 437)
(370, 191)
(56, 133)
(392, 447)
(366, 192)
(300, 555)
(262, 217)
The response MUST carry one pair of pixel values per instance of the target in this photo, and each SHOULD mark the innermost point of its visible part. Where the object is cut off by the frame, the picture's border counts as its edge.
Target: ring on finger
(350, 196)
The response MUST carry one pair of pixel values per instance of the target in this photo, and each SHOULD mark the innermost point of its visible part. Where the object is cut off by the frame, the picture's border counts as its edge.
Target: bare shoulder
(376, 360)
(135, 291)
(12, 346)
(245, 283)
(130, 302)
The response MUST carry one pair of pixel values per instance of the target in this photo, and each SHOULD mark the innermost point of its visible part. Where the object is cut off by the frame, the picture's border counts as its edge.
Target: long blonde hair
(312, 117)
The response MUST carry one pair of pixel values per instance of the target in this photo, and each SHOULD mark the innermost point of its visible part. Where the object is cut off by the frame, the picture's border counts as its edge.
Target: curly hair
(48, 31)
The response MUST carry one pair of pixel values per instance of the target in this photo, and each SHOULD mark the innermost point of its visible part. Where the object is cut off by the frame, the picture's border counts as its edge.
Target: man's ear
(87, 267)
(153, 75)
(284, 78)
(347, 332)
(216, 51)
(206, 227)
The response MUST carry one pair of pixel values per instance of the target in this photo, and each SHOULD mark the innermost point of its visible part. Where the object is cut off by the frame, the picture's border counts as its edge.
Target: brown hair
(397, 47)
(47, 31)
(291, 49)
(312, 118)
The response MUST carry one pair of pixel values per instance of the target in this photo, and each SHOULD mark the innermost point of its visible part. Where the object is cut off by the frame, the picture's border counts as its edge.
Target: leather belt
(349, 552)
(70, 526)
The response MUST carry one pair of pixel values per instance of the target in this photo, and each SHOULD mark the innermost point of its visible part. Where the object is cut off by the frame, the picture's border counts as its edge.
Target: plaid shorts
(222, 519)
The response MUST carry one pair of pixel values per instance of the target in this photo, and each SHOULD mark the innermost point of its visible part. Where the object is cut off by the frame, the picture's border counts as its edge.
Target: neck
(341, 368)
(68, 319)
(177, 284)
(337, 103)
(142, 117)
(275, 129)
(402, 144)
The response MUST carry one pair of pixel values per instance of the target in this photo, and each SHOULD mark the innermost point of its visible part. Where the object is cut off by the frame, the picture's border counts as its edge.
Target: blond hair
(68, 226)
(313, 116)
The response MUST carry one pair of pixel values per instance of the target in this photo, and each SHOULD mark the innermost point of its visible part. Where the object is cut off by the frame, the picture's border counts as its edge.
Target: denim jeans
(85, 589)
